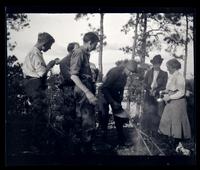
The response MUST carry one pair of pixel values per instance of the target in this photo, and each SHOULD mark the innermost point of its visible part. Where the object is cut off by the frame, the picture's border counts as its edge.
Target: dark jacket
(113, 85)
(65, 71)
(161, 80)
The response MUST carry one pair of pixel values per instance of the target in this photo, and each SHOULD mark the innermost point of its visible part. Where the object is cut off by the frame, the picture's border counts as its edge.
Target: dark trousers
(104, 120)
(152, 113)
(85, 122)
(35, 90)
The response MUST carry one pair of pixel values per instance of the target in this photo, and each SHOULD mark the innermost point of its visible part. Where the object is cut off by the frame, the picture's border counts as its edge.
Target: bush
(16, 100)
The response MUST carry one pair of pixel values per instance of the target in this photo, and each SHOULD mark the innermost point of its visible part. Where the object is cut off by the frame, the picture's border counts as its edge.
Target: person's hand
(92, 99)
(57, 61)
(59, 118)
(188, 93)
(166, 98)
(153, 92)
(161, 92)
(51, 63)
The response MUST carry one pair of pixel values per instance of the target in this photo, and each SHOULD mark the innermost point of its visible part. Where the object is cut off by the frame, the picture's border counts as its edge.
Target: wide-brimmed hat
(157, 59)
(121, 113)
(132, 66)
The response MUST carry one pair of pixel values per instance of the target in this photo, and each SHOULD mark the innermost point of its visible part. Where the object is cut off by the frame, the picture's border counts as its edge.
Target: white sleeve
(39, 65)
(180, 86)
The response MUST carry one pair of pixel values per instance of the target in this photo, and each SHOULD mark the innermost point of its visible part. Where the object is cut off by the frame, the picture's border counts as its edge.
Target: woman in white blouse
(174, 121)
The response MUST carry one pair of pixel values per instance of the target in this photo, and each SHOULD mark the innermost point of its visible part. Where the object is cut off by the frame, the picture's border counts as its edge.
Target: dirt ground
(17, 139)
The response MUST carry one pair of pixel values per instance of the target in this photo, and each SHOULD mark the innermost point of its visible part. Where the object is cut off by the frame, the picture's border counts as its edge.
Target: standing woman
(174, 121)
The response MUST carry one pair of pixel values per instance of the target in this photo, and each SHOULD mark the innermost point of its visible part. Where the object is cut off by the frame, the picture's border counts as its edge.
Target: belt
(29, 77)
(183, 97)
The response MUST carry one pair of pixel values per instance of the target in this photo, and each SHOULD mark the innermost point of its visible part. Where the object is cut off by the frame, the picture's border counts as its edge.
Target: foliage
(134, 83)
(54, 95)
(16, 100)
(15, 22)
(149, 36)
(177, 38)
(169, 27)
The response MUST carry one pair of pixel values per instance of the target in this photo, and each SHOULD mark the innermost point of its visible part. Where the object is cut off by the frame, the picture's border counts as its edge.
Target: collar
(36, 49)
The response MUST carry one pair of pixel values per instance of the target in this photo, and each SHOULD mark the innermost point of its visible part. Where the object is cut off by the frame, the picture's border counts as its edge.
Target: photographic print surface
(148, 111)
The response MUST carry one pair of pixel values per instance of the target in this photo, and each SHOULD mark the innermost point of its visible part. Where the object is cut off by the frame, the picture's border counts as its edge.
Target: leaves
(16, 98)
(15, 22)
(167, 27)
(80, 15)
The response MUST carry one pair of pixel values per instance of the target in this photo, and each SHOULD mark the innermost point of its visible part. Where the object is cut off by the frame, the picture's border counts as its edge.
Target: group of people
(165, 108)
(79, 77)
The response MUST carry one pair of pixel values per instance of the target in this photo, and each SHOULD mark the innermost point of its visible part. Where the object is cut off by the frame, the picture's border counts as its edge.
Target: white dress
(174, 121)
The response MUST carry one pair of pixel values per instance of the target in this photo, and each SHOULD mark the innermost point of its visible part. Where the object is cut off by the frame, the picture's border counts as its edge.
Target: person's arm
(50, 66)
(180, 85)
(79, 83)
(164, 82)
(146, 85)
(108, 82)
(75, 65)
(180, 90)
(162, 86)
(121, 94)
(39, 65)
(92, 99)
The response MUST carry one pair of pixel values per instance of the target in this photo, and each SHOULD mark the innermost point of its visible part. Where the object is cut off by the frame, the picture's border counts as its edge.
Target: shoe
(181, 150)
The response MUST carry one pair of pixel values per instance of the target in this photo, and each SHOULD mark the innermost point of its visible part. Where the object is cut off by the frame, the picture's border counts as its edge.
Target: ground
(17, 152)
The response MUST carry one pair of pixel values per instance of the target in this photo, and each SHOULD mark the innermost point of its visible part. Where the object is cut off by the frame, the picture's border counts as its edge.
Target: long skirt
(174, 121)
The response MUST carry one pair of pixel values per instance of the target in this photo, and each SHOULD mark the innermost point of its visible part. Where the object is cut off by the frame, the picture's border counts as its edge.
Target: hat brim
(122, 114)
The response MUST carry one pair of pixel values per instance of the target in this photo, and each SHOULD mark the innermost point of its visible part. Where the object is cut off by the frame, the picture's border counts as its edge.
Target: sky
(65, 29)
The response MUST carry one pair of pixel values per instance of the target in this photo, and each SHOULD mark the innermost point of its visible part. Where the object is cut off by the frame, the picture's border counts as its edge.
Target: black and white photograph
(102, 85)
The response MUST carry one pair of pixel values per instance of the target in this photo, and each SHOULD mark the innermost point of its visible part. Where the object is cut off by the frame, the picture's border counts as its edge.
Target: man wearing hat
(111, 93)
(155, 80)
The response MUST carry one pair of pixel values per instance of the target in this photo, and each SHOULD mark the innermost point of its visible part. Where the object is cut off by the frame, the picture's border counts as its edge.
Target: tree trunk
(144, 38)
(186, 47)
(140, 109)
(133, 56)
(101, 48)
(135, 37)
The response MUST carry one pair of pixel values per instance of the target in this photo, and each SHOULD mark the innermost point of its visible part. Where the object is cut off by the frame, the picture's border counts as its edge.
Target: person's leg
(119, 127)
(38, 110)
(88, 127)
(85, 122)
(104, 119)
(174, 142)
(39, 126)
(161, 106)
